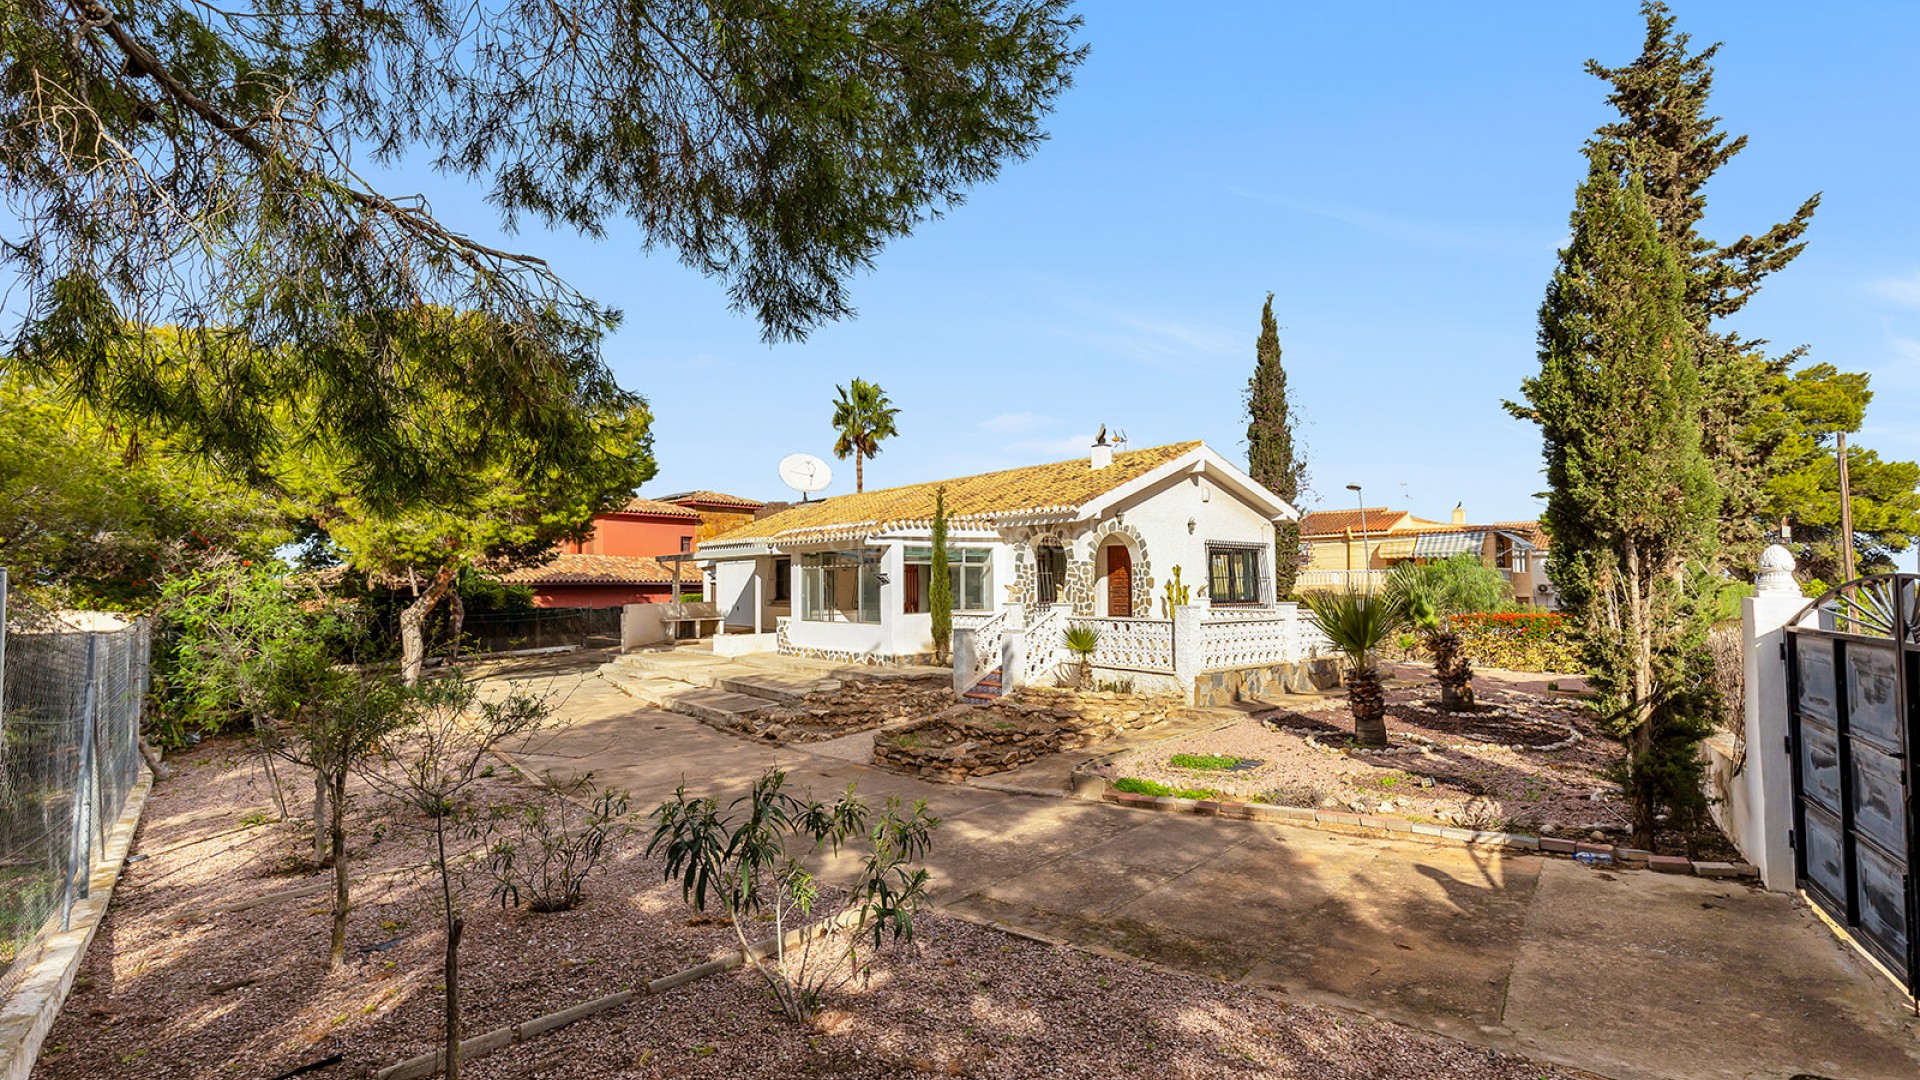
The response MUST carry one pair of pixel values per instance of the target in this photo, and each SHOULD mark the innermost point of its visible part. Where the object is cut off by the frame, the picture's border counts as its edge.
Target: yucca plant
(1357, 623)
(1083, 639)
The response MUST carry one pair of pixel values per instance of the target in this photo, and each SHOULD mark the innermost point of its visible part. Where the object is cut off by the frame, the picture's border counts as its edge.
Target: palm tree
(1432, 593)
(1357, 623)
(863, 417)
(1084, 640)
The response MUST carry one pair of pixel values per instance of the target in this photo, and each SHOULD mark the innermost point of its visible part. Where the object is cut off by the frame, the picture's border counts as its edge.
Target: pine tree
(940, 588)
(1666, 136)
(1632, 502)
(1272, 459)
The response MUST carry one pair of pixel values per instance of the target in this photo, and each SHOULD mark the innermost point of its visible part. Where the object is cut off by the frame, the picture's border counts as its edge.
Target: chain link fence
(70, 701)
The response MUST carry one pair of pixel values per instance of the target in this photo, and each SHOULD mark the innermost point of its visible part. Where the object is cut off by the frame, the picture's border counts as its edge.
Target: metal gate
(1853, 671)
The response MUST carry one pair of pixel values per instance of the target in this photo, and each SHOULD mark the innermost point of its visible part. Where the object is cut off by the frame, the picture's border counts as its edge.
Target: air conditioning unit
(1543, 588)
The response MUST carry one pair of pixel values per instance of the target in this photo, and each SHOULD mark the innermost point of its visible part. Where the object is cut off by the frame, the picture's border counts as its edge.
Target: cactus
(1178, 595)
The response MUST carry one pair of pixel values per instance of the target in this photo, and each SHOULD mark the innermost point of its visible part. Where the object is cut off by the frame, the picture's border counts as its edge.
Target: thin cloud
(1066, 446)
(1398, 228)
(1019, 423)
(1904, 290)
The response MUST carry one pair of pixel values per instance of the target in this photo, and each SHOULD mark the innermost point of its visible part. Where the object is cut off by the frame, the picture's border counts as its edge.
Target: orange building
(621, 561)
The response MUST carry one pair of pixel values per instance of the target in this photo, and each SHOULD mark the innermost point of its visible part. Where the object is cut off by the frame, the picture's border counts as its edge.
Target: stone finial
(1776, 571)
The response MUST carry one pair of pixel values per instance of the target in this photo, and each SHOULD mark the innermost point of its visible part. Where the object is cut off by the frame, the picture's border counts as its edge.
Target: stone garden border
(1087, 784)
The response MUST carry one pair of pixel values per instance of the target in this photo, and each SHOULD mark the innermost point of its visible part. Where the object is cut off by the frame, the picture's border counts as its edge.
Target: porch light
(1192, 525)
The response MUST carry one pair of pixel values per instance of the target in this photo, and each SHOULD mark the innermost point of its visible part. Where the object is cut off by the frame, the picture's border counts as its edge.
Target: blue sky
(1398, 175)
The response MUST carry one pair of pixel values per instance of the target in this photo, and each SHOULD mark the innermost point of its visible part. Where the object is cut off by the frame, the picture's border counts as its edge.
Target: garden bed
(962, 741)
(178, 985)
(1521, 763)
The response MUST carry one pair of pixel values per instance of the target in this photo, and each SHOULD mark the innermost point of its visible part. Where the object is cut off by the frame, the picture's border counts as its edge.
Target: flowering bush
(1518, 641)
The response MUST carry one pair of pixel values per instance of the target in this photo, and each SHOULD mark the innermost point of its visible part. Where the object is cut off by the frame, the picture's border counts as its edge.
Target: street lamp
(1366, 561)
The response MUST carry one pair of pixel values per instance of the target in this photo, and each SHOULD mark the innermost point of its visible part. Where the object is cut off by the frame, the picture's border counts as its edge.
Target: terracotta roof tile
(601, 569)
(657, 508)
(1035, 489)
(713, 498)
(1379, 519)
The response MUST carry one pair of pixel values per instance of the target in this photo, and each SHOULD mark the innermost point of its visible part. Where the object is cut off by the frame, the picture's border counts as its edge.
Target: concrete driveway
(1628, 974)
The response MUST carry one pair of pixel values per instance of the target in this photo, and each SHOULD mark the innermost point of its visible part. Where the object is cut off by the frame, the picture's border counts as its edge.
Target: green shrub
(1519, 641)
(1203, 761)
(1136, 786)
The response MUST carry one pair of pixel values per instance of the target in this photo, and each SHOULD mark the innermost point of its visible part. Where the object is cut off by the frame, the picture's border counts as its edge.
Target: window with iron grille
(1233, 574)
(1050, 570)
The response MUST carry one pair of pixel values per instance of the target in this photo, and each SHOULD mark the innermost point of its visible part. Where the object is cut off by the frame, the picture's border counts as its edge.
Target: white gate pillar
(1189, 647)
(1013, 649)
(1764, 823)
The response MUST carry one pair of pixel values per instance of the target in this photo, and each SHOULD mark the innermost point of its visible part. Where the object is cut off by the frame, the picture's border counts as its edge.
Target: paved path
(1628, 974)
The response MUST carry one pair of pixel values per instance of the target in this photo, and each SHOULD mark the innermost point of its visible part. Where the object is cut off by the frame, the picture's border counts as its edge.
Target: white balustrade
(1044, 649)
(1144, 645)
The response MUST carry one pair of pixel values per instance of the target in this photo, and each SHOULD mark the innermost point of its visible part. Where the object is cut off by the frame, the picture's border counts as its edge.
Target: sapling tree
(740, 859)
(437, 759)
(554, 843)
(338, 729)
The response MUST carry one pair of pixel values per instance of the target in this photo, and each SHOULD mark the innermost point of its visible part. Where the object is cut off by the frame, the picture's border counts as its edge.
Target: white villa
(1093, 540)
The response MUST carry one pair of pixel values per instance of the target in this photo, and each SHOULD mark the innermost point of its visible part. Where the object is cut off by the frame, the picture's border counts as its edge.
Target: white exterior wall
(733, 591)
(1161, 516)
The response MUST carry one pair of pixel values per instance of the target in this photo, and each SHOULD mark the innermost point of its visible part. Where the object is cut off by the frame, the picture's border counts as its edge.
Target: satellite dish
(805, 473)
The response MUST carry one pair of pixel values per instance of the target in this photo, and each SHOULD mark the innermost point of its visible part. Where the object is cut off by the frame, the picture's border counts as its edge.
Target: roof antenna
(1119, 437)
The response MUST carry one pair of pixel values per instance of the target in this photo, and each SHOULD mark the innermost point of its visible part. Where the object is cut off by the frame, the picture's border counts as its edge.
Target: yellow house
(1357, 548)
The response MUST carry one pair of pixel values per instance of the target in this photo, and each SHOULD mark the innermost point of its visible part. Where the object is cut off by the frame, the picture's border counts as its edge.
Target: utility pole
(1848, 569)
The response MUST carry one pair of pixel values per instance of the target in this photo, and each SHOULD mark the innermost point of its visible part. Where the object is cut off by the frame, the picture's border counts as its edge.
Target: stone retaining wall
(1308, 676)
(977, 740)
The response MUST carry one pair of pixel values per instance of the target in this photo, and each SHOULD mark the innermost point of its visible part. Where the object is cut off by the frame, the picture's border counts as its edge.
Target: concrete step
(775, 685)
(700, 702)
(780, 687)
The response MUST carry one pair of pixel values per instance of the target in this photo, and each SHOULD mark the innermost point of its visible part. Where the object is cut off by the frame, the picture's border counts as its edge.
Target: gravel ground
(175, 987)
(1470, 782)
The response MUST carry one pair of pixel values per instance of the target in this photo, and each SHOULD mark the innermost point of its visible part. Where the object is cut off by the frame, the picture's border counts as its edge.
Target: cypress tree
(1666, 136)
(1633, 503)
(940, 589)
(1271, 457)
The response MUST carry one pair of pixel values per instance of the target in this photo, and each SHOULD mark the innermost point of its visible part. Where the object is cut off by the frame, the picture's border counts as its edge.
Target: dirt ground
(180, 983)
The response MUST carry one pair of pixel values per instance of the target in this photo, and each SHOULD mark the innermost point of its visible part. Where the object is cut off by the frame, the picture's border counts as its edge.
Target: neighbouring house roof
(1528, 530)
(569, 569)
(657, 508)
(715, 499)
(1378, 519)
(1058, 488)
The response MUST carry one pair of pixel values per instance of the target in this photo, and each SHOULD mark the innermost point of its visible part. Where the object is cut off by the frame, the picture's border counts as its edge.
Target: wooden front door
(1119, 582)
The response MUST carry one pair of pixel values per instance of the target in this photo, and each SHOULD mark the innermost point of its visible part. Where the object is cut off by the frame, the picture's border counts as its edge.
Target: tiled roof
(656, 508)
(1379, 519)
(601, 570)
(1034, 490)
(714, 498)
(1535, 535)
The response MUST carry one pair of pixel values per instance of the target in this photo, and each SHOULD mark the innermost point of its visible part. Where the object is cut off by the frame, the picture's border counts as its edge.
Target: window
(969, 570)
(1050, 570)
(686, 544)
(1233, 575)
(783, 581)
(840, 586)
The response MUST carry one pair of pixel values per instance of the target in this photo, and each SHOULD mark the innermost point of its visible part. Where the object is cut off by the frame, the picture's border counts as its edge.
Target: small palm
(1357, 624)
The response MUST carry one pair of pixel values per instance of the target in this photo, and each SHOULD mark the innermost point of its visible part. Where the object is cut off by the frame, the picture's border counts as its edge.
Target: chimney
(1102, 455)
(1459, 514)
